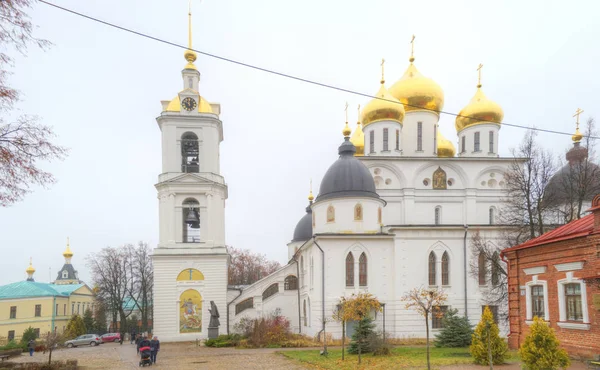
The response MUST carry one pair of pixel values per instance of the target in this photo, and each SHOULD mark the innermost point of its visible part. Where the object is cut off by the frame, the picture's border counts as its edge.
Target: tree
(487, 348)
(142, 281)
(426, 302)
(51, 341)
(457, 331)
(246, 267)
(28, 334)
(100, 317)
(541, 349)
(355, 308)
(75, 327)
(23, 143)
(364, 330)
(88, 321)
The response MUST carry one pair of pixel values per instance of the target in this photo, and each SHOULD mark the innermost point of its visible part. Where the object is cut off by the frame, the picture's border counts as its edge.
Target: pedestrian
(154, 348)
(31, 346)
(132, 338)
(138, 339)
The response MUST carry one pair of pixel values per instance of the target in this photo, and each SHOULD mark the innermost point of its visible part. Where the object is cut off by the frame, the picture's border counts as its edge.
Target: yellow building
(43, 306)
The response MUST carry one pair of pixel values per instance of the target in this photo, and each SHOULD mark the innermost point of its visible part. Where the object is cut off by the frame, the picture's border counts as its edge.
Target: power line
(285, 75)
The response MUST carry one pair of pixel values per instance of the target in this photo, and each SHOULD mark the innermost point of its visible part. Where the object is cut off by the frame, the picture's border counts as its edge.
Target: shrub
(486, 341)
(378, 345)
(14, 345)
(75, 327)
(540, 349)
(457, 331)
(224, 340)
(364, 329)
(28, 334)
(270, 331)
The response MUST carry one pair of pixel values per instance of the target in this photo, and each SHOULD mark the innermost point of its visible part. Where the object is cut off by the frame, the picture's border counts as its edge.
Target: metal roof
(27, 289)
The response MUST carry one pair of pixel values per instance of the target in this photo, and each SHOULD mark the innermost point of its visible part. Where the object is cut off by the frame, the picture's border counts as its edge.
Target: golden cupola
(30, 270)
(358, 138)
(577, 136)
(68, 253)
(417, 92)
(445, 148)
(479, 110)
(383, 108)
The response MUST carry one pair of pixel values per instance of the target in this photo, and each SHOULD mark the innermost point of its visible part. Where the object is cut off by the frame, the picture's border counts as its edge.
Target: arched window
(191, 221)
(482, 269)
(244, 305)
(304, 312)
(492, 215)
(358, 212)
(438, 215)
(330, 214)
(445, 269)
(271, 290)
(379, 218)
(495, 269)
(312, 271)
(432, 263)
(362, 270)
(302, 281)
(190, 151)
(290, 283)
(350, 270)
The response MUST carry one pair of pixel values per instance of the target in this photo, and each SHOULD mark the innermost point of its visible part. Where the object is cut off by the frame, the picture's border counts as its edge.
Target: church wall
(409, 133)
(344, 217)
(377, 129)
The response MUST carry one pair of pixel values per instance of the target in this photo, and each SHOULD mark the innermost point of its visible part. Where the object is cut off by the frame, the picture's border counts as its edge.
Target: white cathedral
(396, 211)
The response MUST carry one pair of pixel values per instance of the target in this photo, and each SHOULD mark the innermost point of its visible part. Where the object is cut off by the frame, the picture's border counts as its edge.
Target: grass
(401, 358)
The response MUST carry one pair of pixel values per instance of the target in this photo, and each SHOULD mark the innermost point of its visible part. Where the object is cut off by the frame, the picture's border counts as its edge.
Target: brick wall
(587, 249)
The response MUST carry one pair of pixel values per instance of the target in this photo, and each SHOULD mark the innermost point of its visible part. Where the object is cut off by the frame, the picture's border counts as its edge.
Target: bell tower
(191, 204)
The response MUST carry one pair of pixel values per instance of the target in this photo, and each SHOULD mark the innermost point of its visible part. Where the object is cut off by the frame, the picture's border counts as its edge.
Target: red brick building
(556, 276)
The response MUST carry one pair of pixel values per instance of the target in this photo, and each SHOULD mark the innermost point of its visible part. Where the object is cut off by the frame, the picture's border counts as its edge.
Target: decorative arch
(399, 181)
(432, 268)
(190, 311)
(290, 283)
(358, 212)
(270, 291)
(362, 270)
(330, 213)
(190, 274)
(349, 270)
(439, 179)
(445, 269)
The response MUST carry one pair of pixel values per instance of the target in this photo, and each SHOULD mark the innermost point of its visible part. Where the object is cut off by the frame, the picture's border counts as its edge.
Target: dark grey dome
(303, 230)
(347, 177)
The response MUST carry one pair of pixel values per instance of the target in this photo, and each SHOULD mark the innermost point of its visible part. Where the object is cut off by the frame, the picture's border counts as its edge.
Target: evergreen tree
(487, 347)
(88, 321)
(540, 350)
(363, 330)
(457, 331)
(100, 318)
(75, 327)
(28, 334)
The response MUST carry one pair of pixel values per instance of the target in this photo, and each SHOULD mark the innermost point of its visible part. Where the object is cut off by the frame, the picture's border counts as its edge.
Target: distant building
(43, 306)
(556, 276)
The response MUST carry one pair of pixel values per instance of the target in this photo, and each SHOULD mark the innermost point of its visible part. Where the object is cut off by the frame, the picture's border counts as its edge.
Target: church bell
(192, 219)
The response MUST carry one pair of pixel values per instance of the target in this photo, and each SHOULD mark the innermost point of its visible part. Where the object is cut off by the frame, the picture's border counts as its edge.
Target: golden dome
(358, 139)
(346, 131)
(30, 269)
(387, 108)
(190, 56)
(479, 110)
(417, 92)
(175, 106)
(445, 148)
(67, 253)
(577, 136)
(311, 197)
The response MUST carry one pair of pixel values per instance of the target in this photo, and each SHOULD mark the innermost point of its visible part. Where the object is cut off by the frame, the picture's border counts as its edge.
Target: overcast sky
(100, 88)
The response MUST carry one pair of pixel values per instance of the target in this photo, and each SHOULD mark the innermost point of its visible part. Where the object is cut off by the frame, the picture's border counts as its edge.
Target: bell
(192, 217)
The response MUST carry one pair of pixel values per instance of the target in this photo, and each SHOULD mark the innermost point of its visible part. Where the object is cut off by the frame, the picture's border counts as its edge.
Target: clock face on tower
(189, 104)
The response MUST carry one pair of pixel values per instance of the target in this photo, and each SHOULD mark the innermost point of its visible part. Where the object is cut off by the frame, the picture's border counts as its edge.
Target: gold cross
(577, 113)
(382, 70)
(479, 74)
(346, 110)
(412, 49)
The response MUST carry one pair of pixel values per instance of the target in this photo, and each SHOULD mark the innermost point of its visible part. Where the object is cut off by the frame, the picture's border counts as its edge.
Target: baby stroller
(145, 356)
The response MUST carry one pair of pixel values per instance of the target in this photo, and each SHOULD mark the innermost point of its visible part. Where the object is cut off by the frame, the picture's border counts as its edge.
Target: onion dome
(577, 136)
(304, 230)
(417, 92)
(67, 253)
(479, 110)
(30, 269)
(347, 177)
(445, 148)
(383, 108)
(358, 140)
(175, 106)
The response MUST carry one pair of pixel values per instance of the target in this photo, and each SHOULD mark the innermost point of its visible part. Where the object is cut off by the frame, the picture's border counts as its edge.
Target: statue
(439, 179)
(213, 325)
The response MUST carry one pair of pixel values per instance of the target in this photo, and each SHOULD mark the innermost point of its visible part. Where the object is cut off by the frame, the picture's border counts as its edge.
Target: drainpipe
(465, 266)
(298, 290)
(53, 314)
(229, 304)
(323, 297)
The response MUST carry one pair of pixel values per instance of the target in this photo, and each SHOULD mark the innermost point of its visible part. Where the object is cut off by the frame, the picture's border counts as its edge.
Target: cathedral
(395, 212)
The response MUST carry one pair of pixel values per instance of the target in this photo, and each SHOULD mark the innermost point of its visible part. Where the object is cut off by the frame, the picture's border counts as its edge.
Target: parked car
(84, 340)
(111, 337)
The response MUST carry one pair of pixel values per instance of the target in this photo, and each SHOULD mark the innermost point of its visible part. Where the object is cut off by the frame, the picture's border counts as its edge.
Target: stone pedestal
(213, 333)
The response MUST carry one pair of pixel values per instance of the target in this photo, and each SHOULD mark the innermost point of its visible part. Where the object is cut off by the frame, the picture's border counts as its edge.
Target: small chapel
(394, 212)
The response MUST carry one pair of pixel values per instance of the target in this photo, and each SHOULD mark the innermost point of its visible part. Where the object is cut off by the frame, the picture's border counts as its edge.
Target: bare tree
(51, 340)
(142, 281)
(246, 267)
(24, 142)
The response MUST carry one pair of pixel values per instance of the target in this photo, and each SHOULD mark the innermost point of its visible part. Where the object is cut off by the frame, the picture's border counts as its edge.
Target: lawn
(402, 357)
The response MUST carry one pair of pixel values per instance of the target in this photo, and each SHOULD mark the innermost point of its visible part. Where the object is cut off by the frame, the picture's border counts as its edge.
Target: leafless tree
(142, 281)
(24, 143)
(51, 340)
(246, 267)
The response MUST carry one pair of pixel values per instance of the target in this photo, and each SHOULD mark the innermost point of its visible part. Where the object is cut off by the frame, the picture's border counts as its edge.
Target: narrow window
(290, 283)
(358, 212)
(56, 309)
(11, 335)
(379, 217)
(190, 83)
(476, 147)
(491, 141)
(350, 270)
(65, 309)
(270, 291)
(573, 302)
(372, 142)
(397, 139)
(304, 312)
(13, 312)
(492, 216)
(302, 280)
(537, 301)
(463, 147)
(72, 308)
(312, 271)
(419, 136)
(435, 142)
(36, 331)
(65, 274)
(244, 305)
(438, 215)
(191, 221)
(495, 269)
(432, 263)
(190, 150)
(437, 315)
(385, 139)
(78, 308)
(362, 270)
(482, 270)
(445, 269)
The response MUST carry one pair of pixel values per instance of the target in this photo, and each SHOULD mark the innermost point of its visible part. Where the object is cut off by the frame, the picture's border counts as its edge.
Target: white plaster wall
(469, 134)
(377, 129)
(409, 133)
(344, 216)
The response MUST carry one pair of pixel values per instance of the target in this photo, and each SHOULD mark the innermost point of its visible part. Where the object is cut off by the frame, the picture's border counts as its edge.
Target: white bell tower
(190, 261)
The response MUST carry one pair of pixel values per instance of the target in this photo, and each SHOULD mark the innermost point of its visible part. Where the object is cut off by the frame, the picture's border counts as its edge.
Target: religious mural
(330, 214)
(358, 212)
(439, 179)
(190, 312)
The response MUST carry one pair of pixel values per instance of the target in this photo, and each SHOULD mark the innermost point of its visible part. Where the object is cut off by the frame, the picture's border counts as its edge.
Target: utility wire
(281, 74)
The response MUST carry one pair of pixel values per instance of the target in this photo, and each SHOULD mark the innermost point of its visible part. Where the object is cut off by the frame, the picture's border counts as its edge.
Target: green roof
(26, 289)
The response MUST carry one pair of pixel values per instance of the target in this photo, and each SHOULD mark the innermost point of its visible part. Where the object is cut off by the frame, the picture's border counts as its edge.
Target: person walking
(132, 337)
(154, 348)
(31, 346)
(138, 340)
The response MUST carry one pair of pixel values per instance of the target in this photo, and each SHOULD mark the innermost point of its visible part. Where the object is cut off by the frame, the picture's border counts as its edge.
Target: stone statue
(213, 325)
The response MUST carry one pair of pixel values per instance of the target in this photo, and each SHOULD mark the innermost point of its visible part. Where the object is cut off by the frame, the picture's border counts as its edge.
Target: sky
(100, 89)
